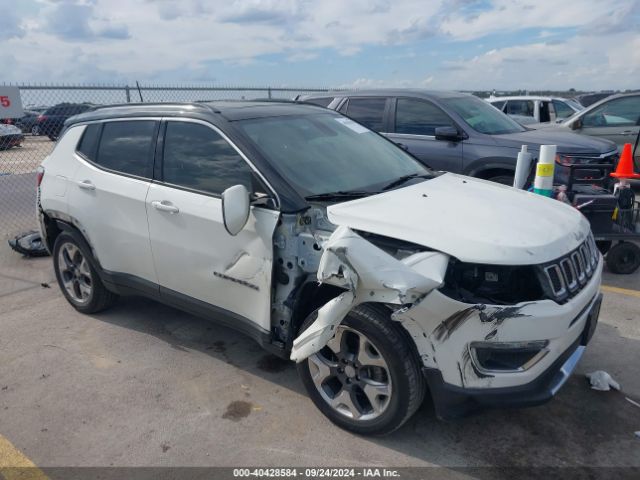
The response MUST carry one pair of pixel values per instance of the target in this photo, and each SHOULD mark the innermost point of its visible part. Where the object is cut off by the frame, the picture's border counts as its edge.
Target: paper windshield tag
(352, 125)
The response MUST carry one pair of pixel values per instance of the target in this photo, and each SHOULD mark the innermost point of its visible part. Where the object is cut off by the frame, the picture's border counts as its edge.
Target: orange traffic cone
(625, 165)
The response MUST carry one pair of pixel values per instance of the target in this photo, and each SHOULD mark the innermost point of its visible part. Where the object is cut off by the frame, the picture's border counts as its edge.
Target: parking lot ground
(146, 385)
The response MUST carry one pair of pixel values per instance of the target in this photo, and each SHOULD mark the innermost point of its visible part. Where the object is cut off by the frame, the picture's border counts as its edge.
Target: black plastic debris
(29, 244)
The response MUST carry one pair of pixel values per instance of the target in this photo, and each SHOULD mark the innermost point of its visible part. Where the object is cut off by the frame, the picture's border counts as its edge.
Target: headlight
(495, 284)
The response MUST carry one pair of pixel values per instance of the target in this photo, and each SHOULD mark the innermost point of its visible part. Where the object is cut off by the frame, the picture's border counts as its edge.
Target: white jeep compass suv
(327, 244)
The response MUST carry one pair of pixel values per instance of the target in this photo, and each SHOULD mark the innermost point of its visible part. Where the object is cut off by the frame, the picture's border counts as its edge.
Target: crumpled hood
(471, 219)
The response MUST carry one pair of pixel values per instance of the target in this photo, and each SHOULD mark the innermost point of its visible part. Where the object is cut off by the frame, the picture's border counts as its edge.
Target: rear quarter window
(127, 147)
(89, 141)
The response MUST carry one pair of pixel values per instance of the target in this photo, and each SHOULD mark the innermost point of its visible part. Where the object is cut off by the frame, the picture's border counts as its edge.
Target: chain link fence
(26, 141)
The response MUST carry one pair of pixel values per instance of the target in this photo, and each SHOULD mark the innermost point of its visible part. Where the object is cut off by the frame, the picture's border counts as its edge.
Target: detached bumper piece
(451, 401)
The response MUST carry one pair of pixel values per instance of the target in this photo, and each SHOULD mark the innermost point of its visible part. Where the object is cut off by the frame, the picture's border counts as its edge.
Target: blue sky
(460, 44)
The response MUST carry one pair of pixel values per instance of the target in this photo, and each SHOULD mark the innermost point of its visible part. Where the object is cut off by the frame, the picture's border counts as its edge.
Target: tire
(623, 258)
(77, 278)
(384, 343)
(502, 179)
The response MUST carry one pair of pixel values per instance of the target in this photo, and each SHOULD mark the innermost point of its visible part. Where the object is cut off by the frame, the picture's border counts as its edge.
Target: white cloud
(109, 40)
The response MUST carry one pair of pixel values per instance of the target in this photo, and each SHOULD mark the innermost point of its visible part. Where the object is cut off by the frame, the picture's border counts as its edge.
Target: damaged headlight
(495, 284)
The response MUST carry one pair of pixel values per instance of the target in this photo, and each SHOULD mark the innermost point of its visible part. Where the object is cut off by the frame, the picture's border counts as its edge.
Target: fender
(368, 274)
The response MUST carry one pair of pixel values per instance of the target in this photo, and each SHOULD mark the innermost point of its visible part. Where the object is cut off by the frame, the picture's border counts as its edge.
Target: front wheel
(623, 258)
(367, 379)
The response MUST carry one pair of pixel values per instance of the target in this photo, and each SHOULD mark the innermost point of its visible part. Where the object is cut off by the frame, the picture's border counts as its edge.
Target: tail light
(41, 118)
(39, 175)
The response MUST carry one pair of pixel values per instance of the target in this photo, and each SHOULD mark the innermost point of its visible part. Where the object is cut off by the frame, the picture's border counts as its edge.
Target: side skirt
(125, 284)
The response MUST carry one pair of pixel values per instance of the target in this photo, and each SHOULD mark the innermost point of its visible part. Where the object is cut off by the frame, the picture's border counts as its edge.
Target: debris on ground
(602, 381)
(29, 244)
(633, 402)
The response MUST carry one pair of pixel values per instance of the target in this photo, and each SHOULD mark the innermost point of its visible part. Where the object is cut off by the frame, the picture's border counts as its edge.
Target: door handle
(165, 206)
(628, 132)
(86, 185)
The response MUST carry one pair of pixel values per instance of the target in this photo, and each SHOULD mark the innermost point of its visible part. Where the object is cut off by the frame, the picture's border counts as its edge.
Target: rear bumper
(452, 401)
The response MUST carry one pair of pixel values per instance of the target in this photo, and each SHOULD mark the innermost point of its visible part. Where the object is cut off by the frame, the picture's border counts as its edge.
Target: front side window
(416, 117)
(127, 147)
(499, 104)
(196, 156)
(325, 152)
(321, 102)
(562, 109)
(621, 112)
(481, 116)
(368, 111)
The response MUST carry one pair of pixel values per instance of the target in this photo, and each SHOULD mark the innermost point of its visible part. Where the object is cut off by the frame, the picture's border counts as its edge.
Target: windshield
(325, 153)
(481, 116)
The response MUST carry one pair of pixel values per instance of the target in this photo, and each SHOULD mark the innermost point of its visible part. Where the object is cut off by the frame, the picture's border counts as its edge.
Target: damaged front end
(367, 273)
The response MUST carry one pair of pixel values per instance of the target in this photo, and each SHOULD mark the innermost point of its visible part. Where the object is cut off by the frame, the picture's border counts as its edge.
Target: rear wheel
(367, 379)
(623, 258)
(77, 278)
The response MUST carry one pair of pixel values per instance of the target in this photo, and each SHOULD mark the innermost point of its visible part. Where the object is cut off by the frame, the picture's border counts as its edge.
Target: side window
(562, 109)
(196, 156)
(343, 108)
(520, 107)
(621, 112)
(368, 111)
(89, 141)
(127, 147)
(499, 104)
(544, 113)
(321, 102)
(416, 117)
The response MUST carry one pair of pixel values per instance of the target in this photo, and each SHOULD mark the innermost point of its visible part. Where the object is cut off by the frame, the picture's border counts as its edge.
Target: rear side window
(89, 141)
(127, 147)
(520, 107)
(368, 111)
(416, 117)
(196, 156)
(499, 104)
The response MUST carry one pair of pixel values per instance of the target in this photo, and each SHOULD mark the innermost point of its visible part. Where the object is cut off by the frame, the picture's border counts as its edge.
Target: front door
(415, 125)
(193, 253)
(617, 120)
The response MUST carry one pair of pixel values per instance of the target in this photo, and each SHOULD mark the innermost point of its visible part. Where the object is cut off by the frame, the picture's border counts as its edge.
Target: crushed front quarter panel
(368, 274)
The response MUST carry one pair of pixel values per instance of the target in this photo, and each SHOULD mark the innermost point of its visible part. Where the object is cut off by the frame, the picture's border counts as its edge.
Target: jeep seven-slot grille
(567, 275)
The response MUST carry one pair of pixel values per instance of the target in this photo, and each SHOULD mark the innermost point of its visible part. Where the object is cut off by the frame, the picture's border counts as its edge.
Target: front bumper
(452, 401)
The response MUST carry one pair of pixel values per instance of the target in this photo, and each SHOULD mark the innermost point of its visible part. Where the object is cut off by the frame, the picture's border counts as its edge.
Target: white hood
(471, 219)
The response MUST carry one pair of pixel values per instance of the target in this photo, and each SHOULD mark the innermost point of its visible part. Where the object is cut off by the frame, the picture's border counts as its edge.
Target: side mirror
(450, 134)
(235, 208)
(576, 124)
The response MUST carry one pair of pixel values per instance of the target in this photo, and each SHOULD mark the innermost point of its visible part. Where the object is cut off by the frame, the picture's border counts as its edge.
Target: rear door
(195, 257)
(108, 192)
(414, 122)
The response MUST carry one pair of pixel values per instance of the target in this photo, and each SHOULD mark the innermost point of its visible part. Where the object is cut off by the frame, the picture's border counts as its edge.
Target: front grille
(566, 276)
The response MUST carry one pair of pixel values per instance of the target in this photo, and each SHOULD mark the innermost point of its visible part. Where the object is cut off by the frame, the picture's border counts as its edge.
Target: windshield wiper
(403, 179)
(340, 194)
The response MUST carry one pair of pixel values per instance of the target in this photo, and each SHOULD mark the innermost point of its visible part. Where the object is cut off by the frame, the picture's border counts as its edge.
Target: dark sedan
(52, 120)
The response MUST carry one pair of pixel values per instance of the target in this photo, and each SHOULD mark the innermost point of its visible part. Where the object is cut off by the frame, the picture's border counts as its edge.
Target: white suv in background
(528, 109)
(329, 245)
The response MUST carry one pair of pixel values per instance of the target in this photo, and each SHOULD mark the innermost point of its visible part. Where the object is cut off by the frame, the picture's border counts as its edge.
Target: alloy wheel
(352, 376)
(75, 273)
